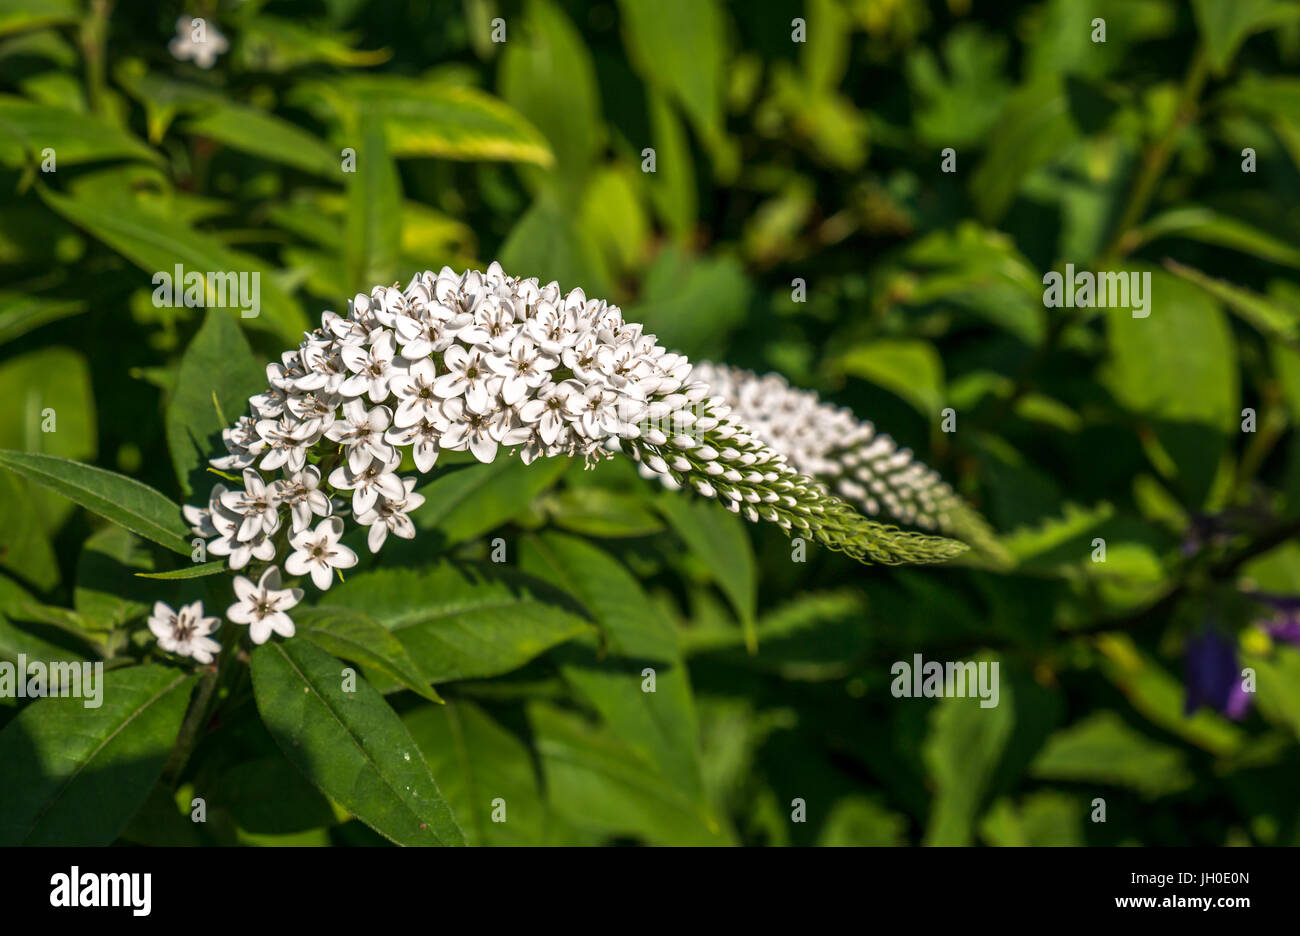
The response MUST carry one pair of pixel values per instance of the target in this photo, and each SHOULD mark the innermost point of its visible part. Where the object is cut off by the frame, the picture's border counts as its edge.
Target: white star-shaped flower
(466, 374)
(256, 504)
(371, 367)
(525, 368)
(301, 493)
(197, 40)
(262, 606)
(361, 433)
(318, 552)
(391, 515)
(185, 632)
(424, 438)
(415, 390)
(367, 485)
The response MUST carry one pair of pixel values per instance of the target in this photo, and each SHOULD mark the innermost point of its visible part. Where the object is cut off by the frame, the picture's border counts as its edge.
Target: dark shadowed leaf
(74, 775)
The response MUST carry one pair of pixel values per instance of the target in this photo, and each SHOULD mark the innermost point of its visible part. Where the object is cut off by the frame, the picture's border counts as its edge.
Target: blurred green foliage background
(774, 161)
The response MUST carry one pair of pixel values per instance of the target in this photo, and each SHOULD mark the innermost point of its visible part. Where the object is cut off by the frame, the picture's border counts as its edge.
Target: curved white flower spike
(482, 362)
(849, 456)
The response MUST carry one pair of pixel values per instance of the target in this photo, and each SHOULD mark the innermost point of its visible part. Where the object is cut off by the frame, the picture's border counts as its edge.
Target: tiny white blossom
(317, 552)
(366, 485)
(286, 439)
(255, 504)
(424, 439)
(466, 375)
(430, 332)
(262, 606)
(241, 552)
(204, 50)
(185, 632)
(242, 443)
(371, 368)
(301, 493)
(415, 390)
(472, 429)
(524, 368)
(361, 433)
(391, 515)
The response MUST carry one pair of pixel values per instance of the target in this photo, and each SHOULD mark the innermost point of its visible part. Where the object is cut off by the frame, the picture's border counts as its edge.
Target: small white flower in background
(318, 552)
(262, 606)
(198, 40)
(391, 515)
(185, 632)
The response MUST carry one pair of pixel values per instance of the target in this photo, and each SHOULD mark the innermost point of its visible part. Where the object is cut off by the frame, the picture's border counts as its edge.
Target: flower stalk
(486, 363)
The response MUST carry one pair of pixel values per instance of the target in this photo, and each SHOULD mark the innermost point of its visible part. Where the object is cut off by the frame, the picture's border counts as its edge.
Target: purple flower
(1214, 678)
(1285, 623)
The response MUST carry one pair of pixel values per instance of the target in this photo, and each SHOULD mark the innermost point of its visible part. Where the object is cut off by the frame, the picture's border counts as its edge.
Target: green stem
(1156, 158)
(94, 36)
(200, 713)
(1154, 162)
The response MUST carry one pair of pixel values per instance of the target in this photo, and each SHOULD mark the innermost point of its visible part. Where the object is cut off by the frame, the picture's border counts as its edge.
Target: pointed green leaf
(20, 313)
(19, 15)
(350, 744)
(961, 752)
(197, 570)
(354, 636)
(1102, 748)
(374, 225)
(597, 782)
(114, 497)
(51, 411)
(75, 138)
(422, 118)
(463, 620)
(478, 763)
(1269, 317)
(267, 136)
(74, 775)
(659, 726)
(218, 370)
(158, 244)
(468, 502)
(719, 539)
(1225, 24)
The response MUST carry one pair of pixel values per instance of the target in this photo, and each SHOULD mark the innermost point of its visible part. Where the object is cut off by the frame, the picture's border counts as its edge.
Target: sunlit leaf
(350, 744)
(114, 497)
